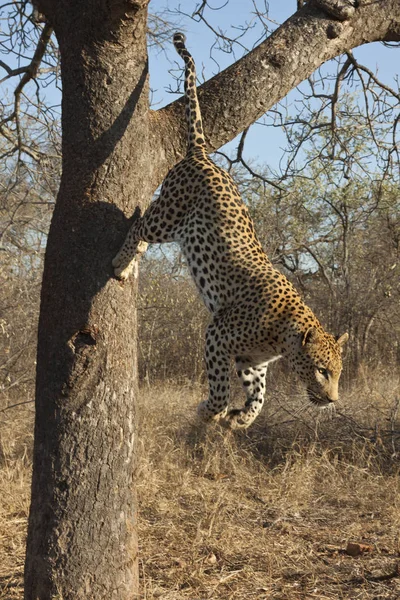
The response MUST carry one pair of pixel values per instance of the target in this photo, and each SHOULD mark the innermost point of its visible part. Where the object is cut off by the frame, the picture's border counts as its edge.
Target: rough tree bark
(81, 538)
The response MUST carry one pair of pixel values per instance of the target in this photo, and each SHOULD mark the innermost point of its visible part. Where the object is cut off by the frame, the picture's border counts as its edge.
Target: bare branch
(234, 99)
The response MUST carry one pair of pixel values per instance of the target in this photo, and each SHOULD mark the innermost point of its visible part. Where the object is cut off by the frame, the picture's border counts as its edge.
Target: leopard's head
(319, 365)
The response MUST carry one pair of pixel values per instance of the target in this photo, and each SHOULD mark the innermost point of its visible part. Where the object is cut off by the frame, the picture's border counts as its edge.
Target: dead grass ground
(16, 437)
(263, 514)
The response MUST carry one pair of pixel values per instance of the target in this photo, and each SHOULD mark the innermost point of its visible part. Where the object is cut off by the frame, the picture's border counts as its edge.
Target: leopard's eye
(324, 372)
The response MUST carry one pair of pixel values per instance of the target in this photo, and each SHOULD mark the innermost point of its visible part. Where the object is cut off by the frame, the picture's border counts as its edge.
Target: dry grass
(16, 437)
(260, 514)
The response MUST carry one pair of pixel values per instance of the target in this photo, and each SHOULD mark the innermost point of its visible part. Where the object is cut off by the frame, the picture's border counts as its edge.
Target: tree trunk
(82, 525)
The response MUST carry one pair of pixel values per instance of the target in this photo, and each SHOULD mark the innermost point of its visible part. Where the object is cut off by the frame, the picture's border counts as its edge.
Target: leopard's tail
(193, 114)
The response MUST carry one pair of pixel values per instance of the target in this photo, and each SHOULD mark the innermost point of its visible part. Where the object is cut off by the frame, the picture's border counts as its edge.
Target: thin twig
(14, 405)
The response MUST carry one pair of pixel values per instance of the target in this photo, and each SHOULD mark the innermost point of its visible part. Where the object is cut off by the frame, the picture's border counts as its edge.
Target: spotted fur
(257, 315)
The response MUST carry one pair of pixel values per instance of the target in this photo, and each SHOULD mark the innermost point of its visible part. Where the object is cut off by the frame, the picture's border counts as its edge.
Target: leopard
(257, 316)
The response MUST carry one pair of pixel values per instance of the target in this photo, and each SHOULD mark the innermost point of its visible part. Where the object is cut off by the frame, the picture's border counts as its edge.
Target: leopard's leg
(252, 378)
(146, 229)
(218, 363)
(126, 261)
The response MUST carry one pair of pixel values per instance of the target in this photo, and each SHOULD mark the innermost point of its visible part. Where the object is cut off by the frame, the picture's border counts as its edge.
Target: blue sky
(262, 143)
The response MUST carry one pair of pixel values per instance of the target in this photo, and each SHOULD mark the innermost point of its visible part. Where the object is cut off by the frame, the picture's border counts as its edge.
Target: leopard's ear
(342, 339)
(310, 336)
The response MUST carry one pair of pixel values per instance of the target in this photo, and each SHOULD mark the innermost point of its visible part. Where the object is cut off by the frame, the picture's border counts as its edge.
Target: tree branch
(243, 92)
(29, 73)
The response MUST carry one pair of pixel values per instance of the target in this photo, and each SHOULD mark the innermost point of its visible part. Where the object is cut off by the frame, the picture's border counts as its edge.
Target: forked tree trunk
(82, 542)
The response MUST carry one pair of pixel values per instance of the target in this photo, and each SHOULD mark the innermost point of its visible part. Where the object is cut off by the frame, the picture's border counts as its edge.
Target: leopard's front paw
(122, 269)
(126, 264)
(123, 273)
